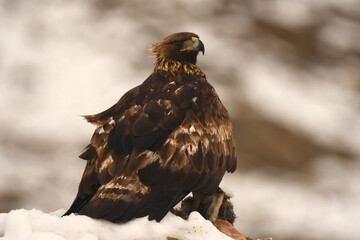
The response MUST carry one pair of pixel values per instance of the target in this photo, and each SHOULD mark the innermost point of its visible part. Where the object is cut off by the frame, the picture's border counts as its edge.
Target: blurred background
(287, 70)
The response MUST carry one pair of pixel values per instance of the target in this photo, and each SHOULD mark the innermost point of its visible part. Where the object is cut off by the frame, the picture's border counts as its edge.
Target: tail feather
(77, 205)
(165, 202)
(124, 199)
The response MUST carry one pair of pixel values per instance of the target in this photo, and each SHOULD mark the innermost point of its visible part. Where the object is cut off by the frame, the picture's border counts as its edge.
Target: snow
(36, 225)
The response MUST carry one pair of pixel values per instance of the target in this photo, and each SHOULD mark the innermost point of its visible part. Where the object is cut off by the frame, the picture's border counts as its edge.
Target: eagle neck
(176, 67)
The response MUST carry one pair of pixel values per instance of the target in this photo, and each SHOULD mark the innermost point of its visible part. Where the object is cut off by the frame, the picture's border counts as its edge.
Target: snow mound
(36, 225)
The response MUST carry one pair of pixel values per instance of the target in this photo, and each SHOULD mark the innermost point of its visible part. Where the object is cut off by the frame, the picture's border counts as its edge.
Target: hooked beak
(198, 44)
(194, 44)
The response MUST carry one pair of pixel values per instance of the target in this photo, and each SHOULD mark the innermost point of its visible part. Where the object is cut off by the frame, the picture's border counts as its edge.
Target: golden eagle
(163, 139)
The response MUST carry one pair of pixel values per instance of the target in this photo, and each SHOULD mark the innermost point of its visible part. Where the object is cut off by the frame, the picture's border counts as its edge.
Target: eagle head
(181, 47)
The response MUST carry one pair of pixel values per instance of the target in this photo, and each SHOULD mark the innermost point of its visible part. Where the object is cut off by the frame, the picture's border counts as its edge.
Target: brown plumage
(167, 137)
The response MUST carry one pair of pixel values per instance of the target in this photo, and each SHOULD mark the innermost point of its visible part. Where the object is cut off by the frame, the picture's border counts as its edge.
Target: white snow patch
(35, 225)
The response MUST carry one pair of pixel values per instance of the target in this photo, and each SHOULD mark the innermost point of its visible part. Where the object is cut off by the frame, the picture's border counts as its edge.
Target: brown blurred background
(288, 72)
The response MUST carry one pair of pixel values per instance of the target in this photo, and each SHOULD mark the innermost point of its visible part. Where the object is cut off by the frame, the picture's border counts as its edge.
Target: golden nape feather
(163, 139)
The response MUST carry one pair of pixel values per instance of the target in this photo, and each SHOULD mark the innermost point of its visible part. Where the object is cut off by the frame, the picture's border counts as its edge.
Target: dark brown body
(163, 139)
